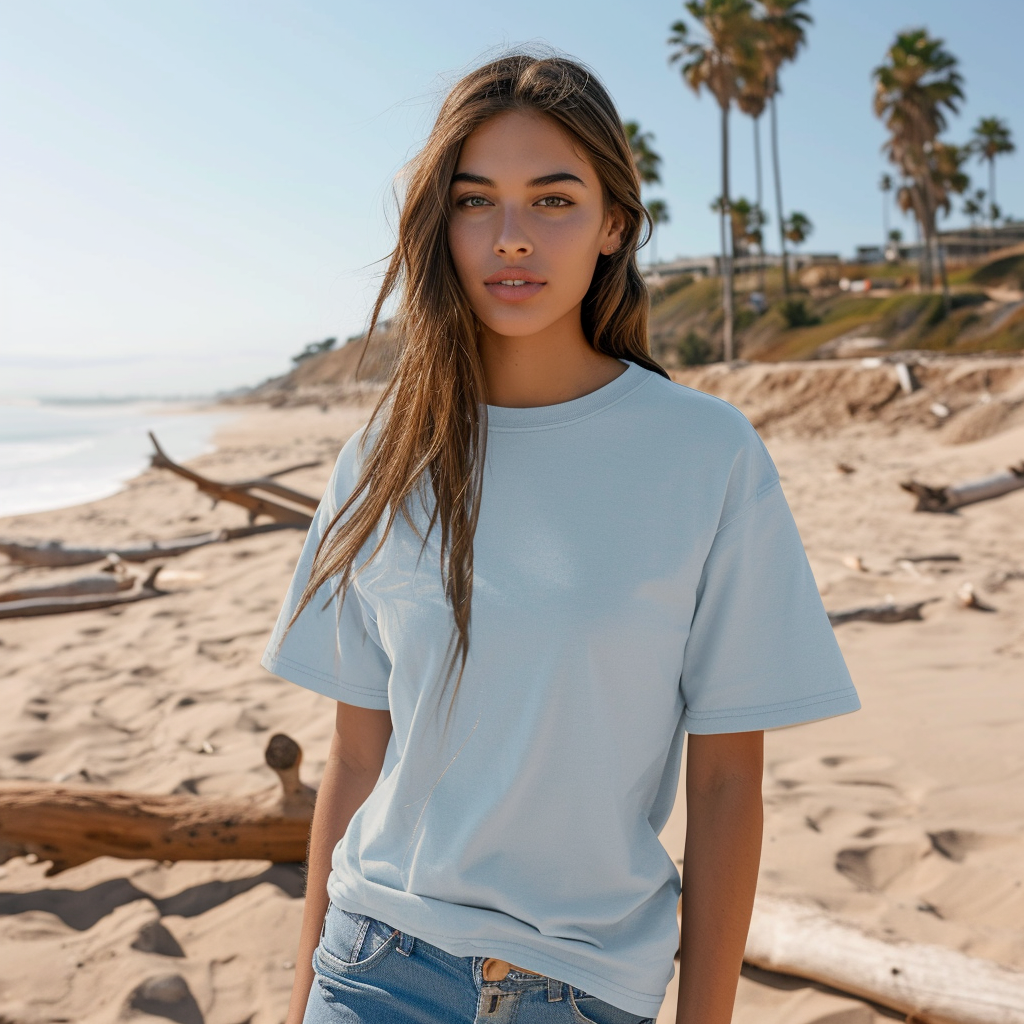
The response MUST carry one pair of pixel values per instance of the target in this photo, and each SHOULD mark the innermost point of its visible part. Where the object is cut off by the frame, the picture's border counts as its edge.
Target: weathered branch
(931, 984)
(71, 825)
(288, 493)
(881, 613)
(141, 591)
(256, 506)
(946, 499)
(53, 553)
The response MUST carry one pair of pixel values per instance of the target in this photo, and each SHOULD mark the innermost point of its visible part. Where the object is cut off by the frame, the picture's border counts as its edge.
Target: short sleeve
(339, 656)
(761, 652)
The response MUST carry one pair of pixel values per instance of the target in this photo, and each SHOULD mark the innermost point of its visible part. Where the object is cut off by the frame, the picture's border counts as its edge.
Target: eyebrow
(545, 179)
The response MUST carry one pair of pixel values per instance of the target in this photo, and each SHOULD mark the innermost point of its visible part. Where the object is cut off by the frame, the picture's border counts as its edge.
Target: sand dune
(906, 817)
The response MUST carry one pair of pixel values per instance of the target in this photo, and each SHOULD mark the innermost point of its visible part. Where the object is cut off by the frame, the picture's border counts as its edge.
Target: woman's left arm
(724, 824)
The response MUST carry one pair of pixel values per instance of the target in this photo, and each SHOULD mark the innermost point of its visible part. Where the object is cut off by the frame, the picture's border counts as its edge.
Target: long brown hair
(432, 414)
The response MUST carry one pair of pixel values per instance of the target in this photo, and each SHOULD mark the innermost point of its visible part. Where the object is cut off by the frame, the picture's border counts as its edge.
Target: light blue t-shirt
(637, 574)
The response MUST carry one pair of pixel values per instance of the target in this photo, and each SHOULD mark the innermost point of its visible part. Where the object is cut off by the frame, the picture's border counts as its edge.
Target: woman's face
(527, 208)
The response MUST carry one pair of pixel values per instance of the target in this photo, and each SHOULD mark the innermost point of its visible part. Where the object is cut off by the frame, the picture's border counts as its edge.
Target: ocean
(56, 454)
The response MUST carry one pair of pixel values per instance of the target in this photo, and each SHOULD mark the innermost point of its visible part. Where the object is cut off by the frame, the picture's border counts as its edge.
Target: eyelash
(562, 202)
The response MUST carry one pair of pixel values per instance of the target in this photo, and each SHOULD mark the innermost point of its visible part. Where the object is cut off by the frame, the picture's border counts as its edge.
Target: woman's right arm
(353, 766)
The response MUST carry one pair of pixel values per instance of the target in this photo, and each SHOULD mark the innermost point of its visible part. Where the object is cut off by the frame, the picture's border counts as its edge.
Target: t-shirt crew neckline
(535, 417)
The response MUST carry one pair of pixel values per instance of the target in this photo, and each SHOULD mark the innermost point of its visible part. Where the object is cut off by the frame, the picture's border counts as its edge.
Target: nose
(512, 239)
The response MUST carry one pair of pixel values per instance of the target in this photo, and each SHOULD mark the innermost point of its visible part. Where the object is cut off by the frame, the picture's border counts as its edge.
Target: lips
(514, 274)
(514, 284)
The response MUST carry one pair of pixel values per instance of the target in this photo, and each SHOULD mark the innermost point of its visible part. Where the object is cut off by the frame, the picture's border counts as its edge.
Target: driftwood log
(70, 825)
(238, 494)
(142, 590)
(53, 554)
(946, 499)
(881, 613)
(931, 984)
(106, 583)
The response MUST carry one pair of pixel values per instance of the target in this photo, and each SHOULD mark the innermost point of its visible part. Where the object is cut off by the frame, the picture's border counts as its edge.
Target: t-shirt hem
(328, 686)
(644, 1003)
(773, 716)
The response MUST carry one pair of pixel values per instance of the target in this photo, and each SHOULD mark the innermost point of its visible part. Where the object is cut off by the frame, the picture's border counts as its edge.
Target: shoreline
(61, 455)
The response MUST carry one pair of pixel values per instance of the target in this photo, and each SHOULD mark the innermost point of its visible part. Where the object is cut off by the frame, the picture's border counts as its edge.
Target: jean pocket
(351, 943)
(588, 1009)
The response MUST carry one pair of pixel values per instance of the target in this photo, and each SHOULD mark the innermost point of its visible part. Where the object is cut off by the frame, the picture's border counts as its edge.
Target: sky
(192, 190)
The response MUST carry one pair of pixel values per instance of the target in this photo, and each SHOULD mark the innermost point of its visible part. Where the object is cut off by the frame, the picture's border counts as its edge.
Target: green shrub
(796, 314)
(694, 350)
(744, 318)
(958, 300)
(315, 348)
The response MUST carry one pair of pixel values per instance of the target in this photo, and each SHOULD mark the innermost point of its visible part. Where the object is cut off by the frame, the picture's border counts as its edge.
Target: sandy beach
(906, 818)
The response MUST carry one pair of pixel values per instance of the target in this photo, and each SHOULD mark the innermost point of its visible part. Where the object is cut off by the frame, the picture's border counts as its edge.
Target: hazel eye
(472, 201)
(554, 201)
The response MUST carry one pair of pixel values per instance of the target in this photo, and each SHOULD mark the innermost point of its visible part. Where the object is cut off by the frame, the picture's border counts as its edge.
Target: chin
(517, 329)
(519, 326)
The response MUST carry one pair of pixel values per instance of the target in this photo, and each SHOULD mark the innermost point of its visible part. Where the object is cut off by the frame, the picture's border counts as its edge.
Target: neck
(555, 365)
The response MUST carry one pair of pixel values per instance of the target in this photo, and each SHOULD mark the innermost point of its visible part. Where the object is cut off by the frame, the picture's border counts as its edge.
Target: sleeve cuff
(772, 716)
(329, 686)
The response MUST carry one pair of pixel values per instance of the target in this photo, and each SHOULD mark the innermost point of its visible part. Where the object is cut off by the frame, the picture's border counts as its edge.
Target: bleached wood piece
(881, 613)
(255, 506)
(53, 554)
(946, 499)
(32, 606)
(931, 984)
(70, 825)
(108, 583)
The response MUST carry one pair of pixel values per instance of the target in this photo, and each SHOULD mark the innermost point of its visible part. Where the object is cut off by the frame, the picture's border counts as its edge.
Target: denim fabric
(370, 973)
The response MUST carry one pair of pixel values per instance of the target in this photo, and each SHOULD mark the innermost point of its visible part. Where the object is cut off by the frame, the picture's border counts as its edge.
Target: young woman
(485, 843)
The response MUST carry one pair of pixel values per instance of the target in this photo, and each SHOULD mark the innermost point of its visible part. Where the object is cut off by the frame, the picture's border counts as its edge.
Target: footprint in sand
(875, 868)
(155, 938)
(956, 843)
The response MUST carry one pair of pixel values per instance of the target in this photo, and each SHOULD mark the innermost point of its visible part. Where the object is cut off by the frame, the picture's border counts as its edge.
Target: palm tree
(947, 178)
(784, 33)
(798, 227)
(646, 160)
(719, 63)
(658, 211)
(914, 88)
(885, 184)
(745, 221)
(991, 139)
(974, 207)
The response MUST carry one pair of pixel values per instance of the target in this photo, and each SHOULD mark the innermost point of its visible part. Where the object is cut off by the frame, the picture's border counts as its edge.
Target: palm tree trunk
(947, 303)
(920, 250)
(992, 194)
(778, 193)
(885, 220)
(760, 202)
(935, 248)
(924, 270)
(726, 219)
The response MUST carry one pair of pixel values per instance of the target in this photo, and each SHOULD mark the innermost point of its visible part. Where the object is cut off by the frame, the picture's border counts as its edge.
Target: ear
(614, 225)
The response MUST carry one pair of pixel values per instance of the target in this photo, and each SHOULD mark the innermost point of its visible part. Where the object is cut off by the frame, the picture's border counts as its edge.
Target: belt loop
(554, 990)
(406, 943)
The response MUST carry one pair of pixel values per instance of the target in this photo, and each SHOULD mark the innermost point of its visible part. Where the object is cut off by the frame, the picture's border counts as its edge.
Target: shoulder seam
(761, 492)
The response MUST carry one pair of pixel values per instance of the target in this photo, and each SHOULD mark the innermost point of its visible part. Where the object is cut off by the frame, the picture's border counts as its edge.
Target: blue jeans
(370, 973)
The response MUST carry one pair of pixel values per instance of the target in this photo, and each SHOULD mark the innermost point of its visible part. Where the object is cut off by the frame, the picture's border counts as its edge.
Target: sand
(906, 817)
